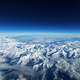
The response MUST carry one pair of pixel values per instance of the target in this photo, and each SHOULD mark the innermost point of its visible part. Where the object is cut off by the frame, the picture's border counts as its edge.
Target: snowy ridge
(51, 60)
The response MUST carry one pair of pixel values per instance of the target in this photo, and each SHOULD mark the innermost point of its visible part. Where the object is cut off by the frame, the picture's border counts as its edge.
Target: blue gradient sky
(30, 27)
(40, 16)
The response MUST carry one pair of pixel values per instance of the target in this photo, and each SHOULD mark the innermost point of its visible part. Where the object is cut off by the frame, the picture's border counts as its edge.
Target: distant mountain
(43, 59)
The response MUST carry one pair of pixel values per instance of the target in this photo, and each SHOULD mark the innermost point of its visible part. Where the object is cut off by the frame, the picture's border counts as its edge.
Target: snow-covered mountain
(39, 59)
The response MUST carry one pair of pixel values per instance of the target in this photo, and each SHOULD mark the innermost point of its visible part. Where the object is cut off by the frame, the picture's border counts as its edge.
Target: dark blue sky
(40, 15)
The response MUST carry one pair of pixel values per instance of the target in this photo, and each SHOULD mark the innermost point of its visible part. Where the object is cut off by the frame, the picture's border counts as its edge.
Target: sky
(40, 16)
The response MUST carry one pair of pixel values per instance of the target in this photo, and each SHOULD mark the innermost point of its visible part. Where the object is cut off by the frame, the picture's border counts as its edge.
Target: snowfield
(39, 60)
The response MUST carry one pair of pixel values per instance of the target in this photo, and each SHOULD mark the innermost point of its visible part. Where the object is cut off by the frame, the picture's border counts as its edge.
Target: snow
(64, 56)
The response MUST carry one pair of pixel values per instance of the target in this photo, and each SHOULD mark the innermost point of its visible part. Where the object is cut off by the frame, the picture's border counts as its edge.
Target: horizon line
(55, 34)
